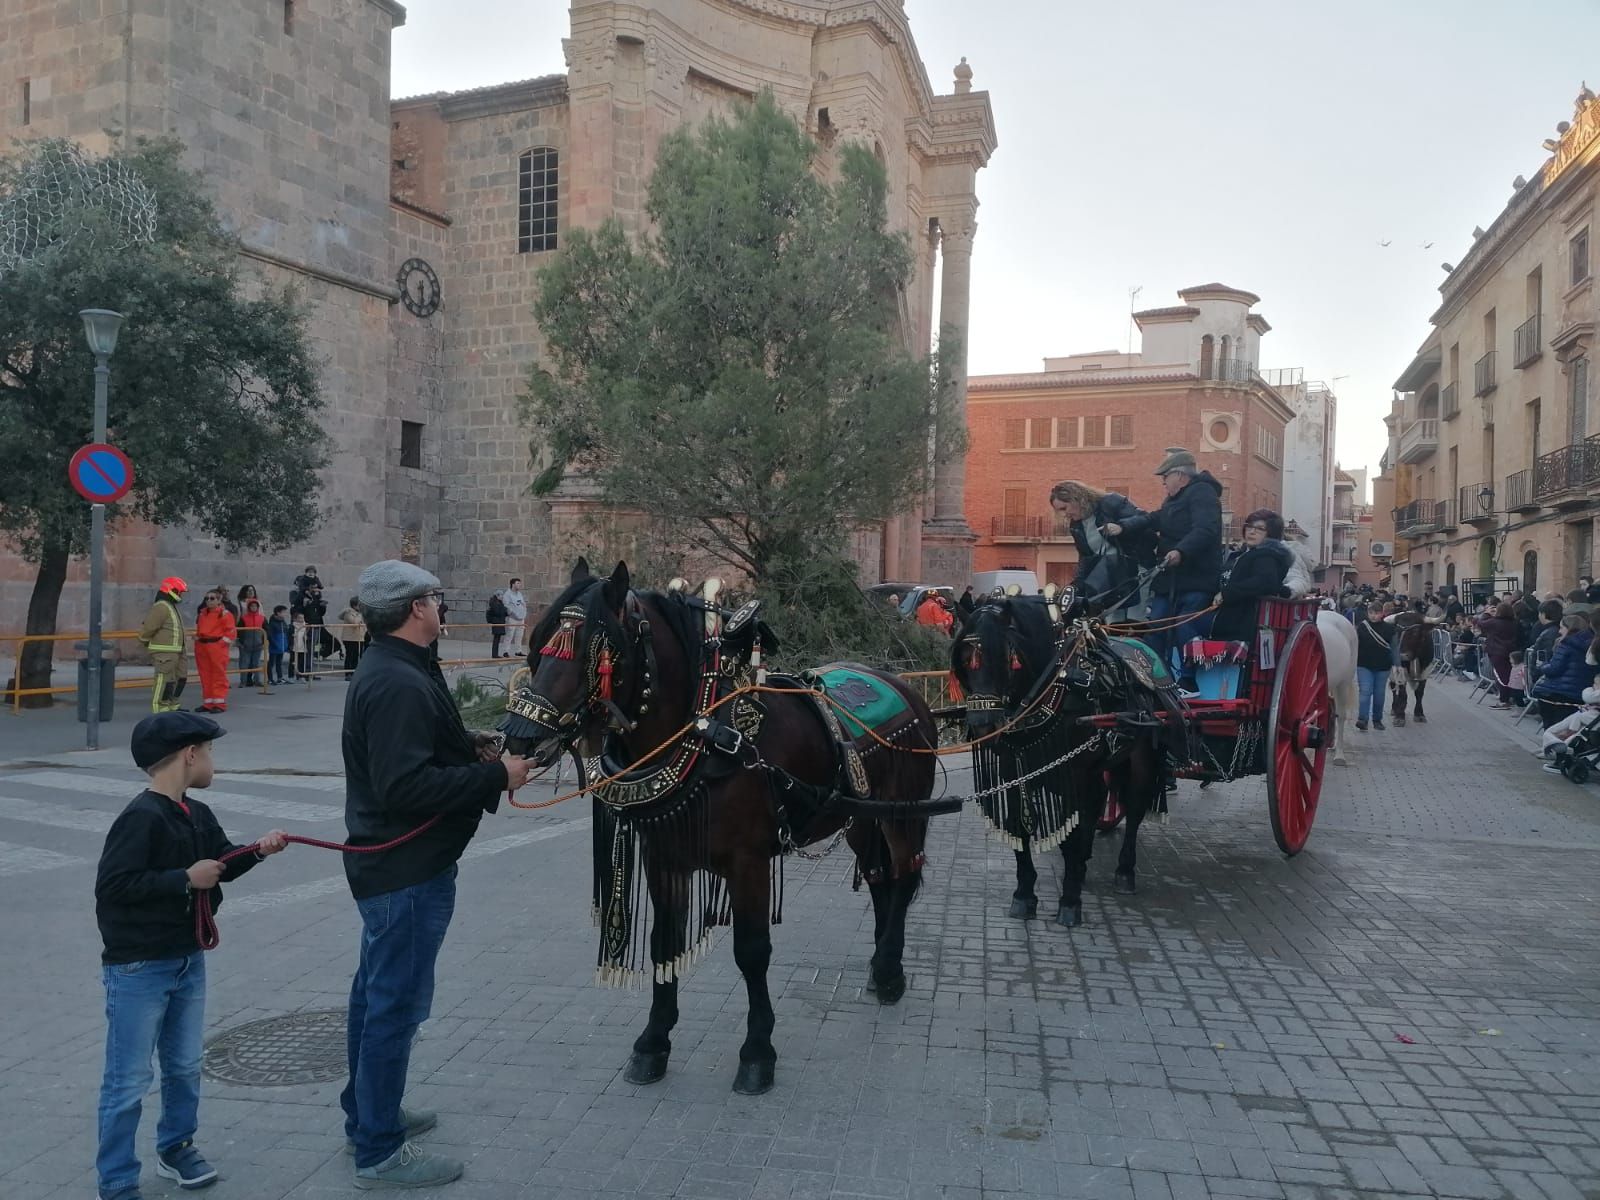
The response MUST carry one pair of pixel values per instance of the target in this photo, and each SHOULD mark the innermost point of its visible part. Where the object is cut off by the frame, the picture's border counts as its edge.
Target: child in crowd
(278, 641)
(251, 636)
(302, 644)
(160, 850)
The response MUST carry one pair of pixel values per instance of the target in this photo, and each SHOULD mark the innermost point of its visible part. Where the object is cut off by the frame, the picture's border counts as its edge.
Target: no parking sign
(101, 474)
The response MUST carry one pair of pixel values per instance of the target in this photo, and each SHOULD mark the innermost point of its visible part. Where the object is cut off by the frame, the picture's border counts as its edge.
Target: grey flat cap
(1176, 457)
(391, 582)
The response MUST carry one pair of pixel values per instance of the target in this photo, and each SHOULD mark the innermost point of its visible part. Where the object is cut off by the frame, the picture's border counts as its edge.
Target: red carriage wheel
(1299, 725)
(1111, 815)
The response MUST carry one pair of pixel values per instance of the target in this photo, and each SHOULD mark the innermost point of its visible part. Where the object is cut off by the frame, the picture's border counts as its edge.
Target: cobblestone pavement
(1409, 1008)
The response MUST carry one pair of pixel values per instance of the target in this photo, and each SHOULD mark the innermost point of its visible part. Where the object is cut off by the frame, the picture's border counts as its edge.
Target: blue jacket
(1567, 674)
(277, 636)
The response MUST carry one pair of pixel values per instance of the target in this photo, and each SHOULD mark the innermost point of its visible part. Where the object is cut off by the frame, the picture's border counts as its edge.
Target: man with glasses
(408, 760)
(214, 633)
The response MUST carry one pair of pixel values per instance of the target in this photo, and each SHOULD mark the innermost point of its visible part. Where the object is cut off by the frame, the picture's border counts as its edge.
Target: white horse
(1339, 647)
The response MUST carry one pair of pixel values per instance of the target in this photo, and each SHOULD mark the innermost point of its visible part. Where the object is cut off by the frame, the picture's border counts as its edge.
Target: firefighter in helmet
(163, 635)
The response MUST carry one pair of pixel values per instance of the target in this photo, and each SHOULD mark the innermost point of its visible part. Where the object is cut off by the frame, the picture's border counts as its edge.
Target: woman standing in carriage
(1109, 559)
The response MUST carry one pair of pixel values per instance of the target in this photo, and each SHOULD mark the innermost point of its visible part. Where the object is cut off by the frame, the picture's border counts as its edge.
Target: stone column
(947, 540)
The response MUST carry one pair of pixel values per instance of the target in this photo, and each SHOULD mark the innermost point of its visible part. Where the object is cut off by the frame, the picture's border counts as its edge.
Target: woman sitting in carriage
(1260, 568)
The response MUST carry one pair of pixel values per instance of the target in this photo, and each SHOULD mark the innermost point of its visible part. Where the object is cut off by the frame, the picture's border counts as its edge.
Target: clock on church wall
(419, 288)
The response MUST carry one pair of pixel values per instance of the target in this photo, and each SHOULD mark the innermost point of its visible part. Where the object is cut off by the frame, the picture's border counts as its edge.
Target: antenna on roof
(1133, 299)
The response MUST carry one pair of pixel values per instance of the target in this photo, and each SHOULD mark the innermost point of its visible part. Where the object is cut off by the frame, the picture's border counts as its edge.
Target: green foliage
(481, 700)
(738, 373)
(214, 391)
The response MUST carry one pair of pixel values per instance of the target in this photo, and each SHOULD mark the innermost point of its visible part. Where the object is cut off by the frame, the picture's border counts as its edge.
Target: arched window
(1222, 364)
(1450, 573)
(537, 180)
(1530, 570)
(1208, 356)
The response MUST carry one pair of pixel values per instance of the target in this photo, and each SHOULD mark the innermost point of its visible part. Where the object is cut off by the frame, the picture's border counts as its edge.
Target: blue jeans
(1169, 642)
(1374, 683)
(401, 932)
(151, 1006)
(249, 662)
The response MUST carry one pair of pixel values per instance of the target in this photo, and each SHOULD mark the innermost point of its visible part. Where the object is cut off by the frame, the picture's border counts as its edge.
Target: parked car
(986, 583)
(914, 598)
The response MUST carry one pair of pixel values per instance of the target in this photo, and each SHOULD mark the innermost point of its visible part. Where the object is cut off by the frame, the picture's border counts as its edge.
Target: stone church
(415, 230)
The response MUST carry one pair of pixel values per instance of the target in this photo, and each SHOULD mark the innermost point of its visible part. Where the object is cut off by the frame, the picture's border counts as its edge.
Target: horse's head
(577, 664)
(1000, 652)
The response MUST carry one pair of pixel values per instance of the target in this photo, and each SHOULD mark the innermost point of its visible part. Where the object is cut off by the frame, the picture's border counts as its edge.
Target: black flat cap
(161, 734)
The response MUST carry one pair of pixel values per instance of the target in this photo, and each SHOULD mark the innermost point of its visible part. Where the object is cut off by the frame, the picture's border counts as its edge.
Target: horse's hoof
(646, 1068)
(890, 992)
(1399, 722)
(1122, 882)
(1024, 907)
(1340, 760)
(1069, 916)
(1420, 719)
(753, 1078)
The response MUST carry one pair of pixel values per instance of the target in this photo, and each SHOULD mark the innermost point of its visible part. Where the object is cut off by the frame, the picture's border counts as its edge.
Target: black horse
(704, 792)
(1416, 660)
(1024, 669)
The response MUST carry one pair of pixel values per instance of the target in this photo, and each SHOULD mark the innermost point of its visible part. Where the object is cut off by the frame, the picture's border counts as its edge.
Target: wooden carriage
(1278, 722)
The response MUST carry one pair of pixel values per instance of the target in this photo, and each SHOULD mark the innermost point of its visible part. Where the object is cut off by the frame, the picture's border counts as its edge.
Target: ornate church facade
(415, 229)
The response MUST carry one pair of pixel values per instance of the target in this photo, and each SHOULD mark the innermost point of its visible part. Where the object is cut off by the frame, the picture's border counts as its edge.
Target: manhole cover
(302, 1047)
(301, 717)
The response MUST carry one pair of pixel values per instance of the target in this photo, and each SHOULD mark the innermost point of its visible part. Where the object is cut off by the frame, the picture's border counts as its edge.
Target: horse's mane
(589, 594)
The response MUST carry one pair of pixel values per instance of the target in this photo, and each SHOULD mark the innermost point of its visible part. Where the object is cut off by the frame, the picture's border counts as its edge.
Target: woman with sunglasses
(1256, 570)
(214, 634)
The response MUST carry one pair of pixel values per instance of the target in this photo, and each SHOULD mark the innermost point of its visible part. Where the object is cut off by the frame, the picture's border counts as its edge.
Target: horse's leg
(749, 890)
(1139, 781)
(669, 898)
(1422, 685)
(1398, 693)
(1025, 901)
(1090, 791)
(903, 842)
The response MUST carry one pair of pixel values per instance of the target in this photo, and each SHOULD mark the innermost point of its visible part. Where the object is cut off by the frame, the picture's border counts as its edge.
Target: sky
(1271, 145)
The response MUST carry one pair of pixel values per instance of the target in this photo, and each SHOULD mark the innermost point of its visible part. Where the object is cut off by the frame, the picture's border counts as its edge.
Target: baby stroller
(1579, 756)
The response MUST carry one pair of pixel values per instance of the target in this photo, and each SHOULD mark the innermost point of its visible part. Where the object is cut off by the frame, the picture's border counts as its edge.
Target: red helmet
(174, 585)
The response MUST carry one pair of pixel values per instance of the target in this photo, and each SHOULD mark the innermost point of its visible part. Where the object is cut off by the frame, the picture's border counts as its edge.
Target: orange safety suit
(214, 635)
(931, 613)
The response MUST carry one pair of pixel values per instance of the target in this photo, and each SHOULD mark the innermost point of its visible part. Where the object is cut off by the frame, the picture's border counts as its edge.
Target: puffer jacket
(1567, 674)
(1191, 524)
(1254, 572)
(1132, 552)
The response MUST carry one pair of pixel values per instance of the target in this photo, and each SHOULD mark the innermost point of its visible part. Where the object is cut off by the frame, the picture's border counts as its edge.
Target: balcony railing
(1475, 502)
(1017, 528)
(1569, 469)
(1525, 345)
(1483, 375)
(1419, 440)
(1420, 516)
(1232, 371)
(1444, 514)
(1342, 554)
(1450, 401)
(1519, 492)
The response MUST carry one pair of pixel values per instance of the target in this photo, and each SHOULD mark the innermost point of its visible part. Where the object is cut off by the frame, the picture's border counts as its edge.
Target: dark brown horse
(1416, 660)
(1022, 670)
(699, 812)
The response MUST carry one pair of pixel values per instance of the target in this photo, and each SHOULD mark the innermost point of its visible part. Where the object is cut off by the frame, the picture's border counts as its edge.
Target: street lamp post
(101, 326)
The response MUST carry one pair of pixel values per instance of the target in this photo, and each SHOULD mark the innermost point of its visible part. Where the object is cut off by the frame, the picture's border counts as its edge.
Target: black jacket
(407, 757)
(1252, 573)
(1190, 523)
(1135, 550)
(141, 891)
(1373, 642)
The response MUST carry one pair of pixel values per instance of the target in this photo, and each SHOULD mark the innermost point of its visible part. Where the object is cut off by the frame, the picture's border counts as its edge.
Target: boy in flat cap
(159, 851)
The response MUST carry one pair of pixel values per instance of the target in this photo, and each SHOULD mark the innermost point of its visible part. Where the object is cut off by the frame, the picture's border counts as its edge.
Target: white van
(985, 583)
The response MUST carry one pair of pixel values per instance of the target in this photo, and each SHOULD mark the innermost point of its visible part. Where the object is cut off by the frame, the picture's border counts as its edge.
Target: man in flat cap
(408, 759)
(1188, 530)
(162, 849)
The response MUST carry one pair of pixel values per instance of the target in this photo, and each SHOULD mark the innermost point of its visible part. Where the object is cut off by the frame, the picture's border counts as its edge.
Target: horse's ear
(581, 571)
(617, 587)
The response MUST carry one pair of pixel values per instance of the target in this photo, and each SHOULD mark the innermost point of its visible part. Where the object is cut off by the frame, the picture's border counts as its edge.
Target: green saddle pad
(865, 701)
(1142, 654)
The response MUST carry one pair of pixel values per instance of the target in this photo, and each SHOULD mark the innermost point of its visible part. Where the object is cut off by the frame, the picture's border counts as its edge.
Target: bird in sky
(1427, 245)
(1385, 241)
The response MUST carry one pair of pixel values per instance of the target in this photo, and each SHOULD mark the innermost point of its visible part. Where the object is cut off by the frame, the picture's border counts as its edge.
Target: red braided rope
(205, 922)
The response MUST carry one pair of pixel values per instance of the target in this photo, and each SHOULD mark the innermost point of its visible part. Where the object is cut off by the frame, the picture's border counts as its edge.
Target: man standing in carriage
(1188, 529)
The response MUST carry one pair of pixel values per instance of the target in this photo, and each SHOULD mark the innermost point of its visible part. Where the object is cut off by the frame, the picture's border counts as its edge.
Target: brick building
(1107, 418)
(415, 231)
